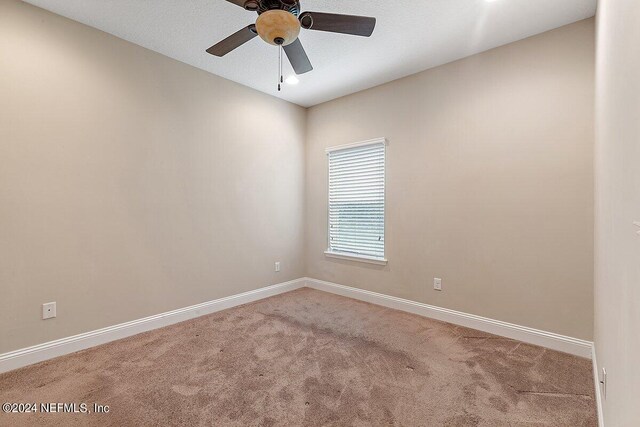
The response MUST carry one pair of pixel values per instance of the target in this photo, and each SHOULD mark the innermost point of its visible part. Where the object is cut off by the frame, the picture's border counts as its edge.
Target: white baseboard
(596, 380)
(38, 353)
(549, 340)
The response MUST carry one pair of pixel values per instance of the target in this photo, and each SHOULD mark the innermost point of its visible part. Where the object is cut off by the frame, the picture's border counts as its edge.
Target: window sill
(360, 258)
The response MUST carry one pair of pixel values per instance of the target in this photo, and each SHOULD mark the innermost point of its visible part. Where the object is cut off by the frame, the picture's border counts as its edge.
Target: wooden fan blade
(344, 24)
(298, 57)
(233, 41)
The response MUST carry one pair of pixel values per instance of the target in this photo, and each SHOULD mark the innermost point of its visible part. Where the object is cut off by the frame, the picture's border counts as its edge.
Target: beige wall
(489, 186)
(617, 291)
(132, 184)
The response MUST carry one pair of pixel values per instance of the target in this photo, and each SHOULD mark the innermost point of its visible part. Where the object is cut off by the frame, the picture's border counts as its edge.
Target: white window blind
(356, 200)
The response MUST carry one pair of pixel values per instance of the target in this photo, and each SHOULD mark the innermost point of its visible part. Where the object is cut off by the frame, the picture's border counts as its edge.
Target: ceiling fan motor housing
(279, 24)
(292, 6)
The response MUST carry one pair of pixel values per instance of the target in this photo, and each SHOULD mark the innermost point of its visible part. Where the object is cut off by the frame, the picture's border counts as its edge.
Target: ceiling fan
(279, 23)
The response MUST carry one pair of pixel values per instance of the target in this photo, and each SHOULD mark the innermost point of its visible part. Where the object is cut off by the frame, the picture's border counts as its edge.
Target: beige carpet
(310, 358)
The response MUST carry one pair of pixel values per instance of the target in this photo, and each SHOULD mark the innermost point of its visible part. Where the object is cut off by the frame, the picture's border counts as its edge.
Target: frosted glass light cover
(274, 24)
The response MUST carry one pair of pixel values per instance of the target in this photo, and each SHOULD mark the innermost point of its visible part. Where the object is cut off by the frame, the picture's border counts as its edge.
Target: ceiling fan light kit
(278, 27)
(279, 23)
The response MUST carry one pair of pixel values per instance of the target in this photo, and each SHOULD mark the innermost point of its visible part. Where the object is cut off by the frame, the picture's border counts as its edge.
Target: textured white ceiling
(410, 36)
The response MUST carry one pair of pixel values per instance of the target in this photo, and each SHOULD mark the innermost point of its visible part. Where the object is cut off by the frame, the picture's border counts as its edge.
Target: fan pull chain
(280, 80)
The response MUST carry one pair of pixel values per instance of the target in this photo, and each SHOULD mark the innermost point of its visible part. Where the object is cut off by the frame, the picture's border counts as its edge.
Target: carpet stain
(185, 390)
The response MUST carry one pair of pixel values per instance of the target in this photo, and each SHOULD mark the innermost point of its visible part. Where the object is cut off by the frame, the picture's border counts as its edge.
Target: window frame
(358, 257)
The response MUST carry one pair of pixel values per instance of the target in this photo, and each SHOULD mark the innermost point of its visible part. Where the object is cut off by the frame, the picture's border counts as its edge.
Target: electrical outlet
(277, 266)
(603, 383)
(437, 284)
(48, 310)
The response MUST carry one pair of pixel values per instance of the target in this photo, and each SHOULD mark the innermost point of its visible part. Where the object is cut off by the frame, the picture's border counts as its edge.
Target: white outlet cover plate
(48, 310)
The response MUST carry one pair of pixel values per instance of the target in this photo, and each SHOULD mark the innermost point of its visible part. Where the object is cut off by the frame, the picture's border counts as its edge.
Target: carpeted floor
(310, 358)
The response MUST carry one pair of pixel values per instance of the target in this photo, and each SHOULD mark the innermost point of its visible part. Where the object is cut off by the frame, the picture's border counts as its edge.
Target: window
(356, 201)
